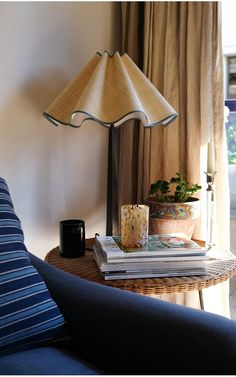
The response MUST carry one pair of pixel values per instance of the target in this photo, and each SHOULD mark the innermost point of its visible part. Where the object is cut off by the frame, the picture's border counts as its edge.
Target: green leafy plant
(231, 138)
(160, 190)
(232, 158)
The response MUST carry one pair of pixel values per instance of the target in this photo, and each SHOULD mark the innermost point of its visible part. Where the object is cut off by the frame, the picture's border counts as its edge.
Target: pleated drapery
(182, 55)
(179, 49)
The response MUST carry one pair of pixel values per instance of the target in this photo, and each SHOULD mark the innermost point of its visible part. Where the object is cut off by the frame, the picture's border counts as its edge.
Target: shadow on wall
(40, 92)
(26, 153)
(51, 167)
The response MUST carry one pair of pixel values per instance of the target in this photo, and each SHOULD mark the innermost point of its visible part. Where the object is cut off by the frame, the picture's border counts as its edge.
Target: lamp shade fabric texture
(110, 90)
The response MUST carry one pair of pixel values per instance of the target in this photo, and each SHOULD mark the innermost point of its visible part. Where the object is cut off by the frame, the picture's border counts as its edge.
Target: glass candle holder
(134, 225)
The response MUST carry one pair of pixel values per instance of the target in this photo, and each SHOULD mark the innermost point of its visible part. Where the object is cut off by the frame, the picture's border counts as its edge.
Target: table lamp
(110, 90)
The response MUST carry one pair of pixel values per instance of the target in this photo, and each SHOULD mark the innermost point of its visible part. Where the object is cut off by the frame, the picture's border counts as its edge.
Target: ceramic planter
(173, 217)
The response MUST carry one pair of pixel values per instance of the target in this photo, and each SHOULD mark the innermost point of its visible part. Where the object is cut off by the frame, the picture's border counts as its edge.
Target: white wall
(53, 173)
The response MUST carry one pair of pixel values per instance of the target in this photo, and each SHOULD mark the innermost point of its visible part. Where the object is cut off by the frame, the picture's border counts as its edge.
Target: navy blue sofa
(98, 329)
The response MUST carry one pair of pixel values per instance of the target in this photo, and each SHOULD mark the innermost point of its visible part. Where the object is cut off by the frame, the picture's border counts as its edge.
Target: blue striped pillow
(28, 314)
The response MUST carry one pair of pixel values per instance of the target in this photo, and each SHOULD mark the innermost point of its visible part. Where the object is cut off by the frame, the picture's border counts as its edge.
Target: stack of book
(165, 255)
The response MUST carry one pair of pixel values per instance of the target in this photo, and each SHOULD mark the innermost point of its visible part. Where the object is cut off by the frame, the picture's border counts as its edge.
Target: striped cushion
(28, 314)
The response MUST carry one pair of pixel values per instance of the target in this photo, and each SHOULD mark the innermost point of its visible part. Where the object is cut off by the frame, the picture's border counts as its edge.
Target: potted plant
(173, 209)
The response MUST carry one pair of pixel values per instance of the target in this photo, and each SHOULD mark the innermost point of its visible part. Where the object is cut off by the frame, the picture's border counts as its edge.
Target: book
(142, 275)
(166, 255)
(129, 270)
(152, 266)
(187, 270)
(164, 245)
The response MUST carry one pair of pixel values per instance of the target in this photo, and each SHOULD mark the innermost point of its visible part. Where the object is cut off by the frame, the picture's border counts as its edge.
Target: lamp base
(112, 197)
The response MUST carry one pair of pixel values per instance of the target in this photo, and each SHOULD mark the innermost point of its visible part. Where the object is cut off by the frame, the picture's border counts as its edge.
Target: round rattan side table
(86, 268)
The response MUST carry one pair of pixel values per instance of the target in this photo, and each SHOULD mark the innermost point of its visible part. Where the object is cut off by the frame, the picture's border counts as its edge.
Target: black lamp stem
(111, 180)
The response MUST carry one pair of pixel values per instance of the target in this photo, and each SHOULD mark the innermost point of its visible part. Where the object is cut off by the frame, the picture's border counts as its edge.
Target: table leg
(201, 300)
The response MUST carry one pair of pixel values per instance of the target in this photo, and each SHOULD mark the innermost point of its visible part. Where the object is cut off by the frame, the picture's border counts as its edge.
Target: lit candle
(134, 225)
(210, 158)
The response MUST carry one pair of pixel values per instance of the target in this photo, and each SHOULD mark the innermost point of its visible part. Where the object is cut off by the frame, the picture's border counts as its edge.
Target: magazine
(159, 264)
(158, 245)
(146, 274)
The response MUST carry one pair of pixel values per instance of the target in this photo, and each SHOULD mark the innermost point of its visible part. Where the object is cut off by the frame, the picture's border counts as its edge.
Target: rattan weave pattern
(86, 268)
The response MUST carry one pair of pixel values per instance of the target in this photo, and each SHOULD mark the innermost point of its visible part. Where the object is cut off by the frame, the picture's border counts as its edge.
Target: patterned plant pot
(173, 217)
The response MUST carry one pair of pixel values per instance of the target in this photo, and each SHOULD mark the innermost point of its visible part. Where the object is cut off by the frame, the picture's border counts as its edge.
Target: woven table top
(85, 267)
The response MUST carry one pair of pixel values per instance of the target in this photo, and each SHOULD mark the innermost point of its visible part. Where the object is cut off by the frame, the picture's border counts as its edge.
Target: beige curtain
(130, 135)
(181, 54)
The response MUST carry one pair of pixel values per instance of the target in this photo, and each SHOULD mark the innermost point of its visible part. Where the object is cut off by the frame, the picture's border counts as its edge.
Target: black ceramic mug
(72, 238)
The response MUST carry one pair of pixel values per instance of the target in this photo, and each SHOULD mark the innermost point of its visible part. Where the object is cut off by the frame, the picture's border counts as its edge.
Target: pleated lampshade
(110, 90)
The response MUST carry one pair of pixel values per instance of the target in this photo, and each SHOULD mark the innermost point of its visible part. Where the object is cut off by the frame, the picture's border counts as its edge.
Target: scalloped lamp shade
(110, 90)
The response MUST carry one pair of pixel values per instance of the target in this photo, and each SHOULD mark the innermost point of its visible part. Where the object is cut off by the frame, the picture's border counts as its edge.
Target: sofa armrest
(126, 333)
